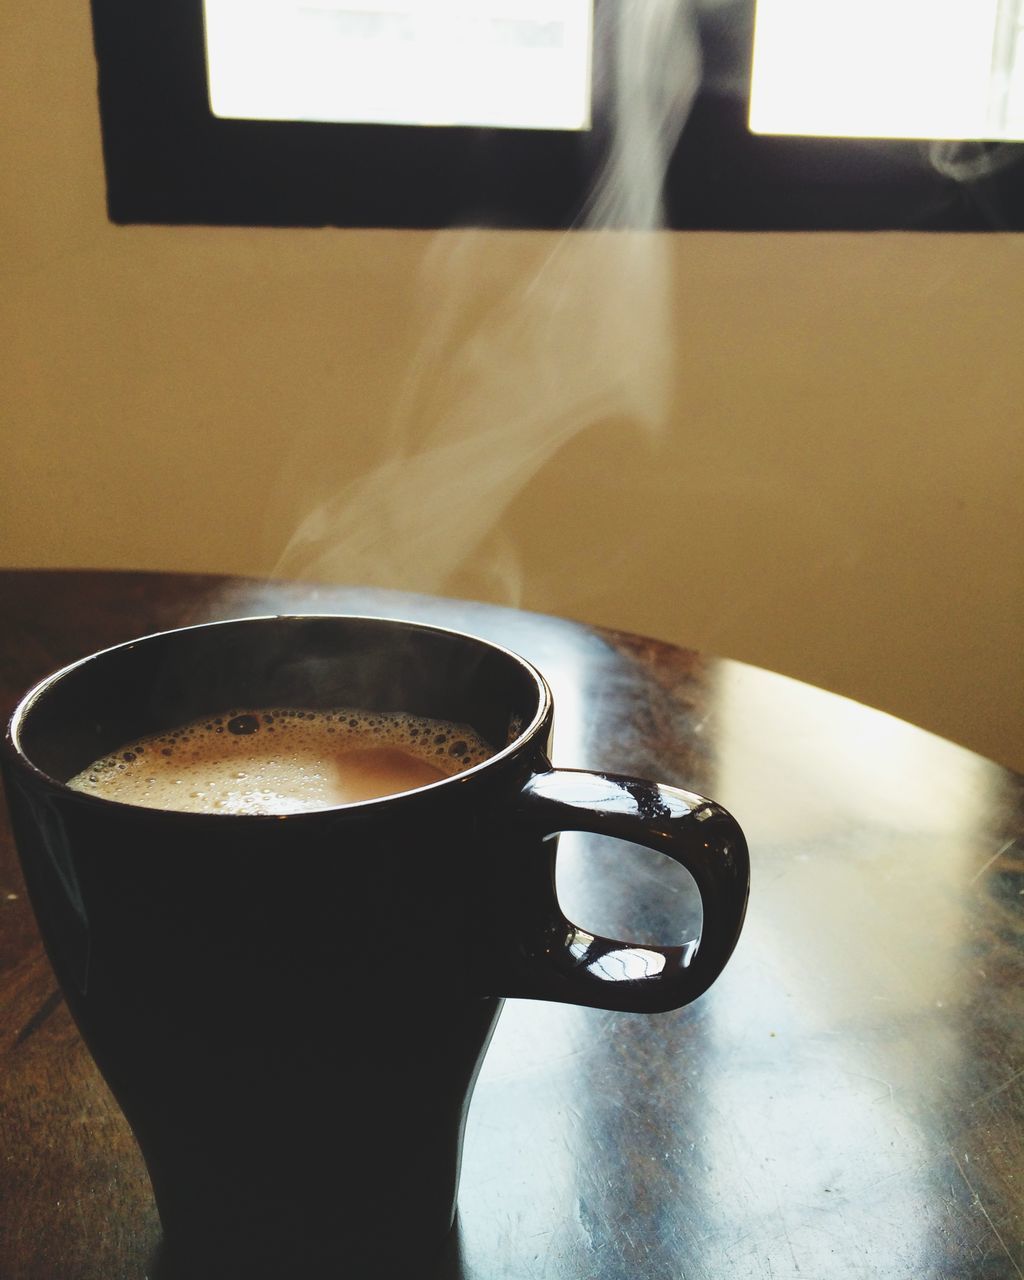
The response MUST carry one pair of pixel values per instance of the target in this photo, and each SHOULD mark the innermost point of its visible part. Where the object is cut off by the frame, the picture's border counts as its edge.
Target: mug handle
(557, 960)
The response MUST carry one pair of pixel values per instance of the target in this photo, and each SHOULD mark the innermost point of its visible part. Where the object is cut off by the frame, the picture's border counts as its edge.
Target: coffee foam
(283, 760)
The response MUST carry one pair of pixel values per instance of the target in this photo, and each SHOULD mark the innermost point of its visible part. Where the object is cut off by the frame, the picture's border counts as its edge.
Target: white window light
(499, 63)
(938, 69)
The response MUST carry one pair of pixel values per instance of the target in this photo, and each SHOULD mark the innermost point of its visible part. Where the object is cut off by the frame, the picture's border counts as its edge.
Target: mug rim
(13, 747)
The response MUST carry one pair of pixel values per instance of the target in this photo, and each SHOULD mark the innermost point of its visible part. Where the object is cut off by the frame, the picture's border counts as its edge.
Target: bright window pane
(501, 63)
(889, 69)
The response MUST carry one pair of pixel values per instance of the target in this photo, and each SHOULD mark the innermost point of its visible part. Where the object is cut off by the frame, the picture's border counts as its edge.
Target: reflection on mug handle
(556, 960)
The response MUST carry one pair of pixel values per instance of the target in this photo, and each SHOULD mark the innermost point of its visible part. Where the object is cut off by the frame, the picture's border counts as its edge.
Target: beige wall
(830, 486)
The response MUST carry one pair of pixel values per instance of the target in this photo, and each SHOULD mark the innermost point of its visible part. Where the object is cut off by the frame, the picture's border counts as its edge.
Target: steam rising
(586, 339)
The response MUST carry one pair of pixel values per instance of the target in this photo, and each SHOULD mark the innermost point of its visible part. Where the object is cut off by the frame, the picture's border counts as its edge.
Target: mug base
(296, 1260)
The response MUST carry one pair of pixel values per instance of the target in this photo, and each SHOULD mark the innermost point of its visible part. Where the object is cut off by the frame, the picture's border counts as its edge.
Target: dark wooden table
(847, 1101)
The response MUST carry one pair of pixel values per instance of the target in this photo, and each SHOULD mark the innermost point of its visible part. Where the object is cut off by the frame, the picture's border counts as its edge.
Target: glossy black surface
(846, 1101)
(292, 1011)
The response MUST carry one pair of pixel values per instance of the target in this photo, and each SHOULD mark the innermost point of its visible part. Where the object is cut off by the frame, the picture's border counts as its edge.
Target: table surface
(847, 1100)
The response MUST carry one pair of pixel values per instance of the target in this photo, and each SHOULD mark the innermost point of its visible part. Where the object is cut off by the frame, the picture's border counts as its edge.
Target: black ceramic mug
(291, 1011)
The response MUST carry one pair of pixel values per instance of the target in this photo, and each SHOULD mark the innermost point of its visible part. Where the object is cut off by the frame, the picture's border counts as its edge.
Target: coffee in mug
(292, 1008)
(283, 760)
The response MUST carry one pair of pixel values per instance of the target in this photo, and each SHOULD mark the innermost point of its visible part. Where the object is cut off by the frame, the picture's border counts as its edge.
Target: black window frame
(170, 161)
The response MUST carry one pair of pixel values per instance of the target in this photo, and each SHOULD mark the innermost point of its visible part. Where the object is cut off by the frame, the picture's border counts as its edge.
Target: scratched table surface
(848, 1099)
